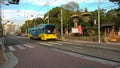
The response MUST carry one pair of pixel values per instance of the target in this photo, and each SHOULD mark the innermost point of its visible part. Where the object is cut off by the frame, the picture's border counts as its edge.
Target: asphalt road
(38, 51)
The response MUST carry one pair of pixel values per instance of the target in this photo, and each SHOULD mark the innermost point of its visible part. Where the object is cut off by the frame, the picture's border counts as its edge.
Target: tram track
(83, 51)
(95, 52)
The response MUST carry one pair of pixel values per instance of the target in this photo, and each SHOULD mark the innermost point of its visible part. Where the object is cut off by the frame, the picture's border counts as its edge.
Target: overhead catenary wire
(45, 5)
(51, 2)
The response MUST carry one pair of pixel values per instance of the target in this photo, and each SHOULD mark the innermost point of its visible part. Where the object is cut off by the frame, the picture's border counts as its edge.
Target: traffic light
(13, 1)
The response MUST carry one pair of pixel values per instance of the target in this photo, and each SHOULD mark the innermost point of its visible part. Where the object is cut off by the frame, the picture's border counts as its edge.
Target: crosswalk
(11, 48)
(30, 45)
(20, 47)
(56, 43)
(50, 43)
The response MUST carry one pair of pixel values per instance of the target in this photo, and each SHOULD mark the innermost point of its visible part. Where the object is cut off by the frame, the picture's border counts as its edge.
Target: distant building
(9, 28)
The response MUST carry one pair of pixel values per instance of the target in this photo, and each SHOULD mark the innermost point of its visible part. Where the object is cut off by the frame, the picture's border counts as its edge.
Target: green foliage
(89, 28)
(23, 28)
(31, 23)
(54, 15)
(114, 16)
(72, 6)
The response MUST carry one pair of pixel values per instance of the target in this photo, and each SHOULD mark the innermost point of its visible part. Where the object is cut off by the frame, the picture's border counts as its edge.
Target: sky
(29, 9)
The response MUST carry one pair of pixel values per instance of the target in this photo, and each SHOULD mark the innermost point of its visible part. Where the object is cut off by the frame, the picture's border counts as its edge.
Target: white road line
(45, 44)
(28, 46)
(11, 48)
(65, 42)
(19, 46)
(55, 43)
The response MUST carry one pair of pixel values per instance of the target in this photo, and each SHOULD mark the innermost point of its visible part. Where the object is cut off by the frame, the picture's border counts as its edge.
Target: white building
(9, 28)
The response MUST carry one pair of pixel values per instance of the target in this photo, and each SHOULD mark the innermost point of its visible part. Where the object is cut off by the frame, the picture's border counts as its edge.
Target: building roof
(86, 14)
(74, 16)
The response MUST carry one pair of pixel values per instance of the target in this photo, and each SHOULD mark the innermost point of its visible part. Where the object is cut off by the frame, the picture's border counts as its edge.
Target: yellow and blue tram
(43, 31)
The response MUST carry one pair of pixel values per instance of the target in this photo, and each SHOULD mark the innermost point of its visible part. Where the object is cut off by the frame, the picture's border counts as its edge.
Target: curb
(3, 49)
(69, 40)
(12, 61)
(6, 60)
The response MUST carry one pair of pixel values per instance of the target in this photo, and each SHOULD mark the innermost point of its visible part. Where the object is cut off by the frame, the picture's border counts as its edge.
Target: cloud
(59, 2)
(22, 13)
(19, 16)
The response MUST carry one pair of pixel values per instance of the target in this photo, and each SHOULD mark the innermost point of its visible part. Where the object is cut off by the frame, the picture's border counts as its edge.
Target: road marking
(45, 44)
(28, 46)
(66, 42)
(55, 43)
(11, 48)
(19, 46)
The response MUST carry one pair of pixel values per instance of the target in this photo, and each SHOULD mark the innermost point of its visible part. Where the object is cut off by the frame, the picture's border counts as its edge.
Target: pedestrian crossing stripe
(45, 44)
(55, 43)
(19, 46)
(11, 48)
(65, 42)
(28, 46)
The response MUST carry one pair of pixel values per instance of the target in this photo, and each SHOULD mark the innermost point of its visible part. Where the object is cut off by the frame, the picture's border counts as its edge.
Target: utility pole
(48, 12)
(99, 39)
(35, 22)
(1, 30)
(61, 25)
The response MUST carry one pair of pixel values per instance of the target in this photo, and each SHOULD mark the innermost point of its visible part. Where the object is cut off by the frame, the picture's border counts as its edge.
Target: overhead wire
(45, 5)
(51, 2)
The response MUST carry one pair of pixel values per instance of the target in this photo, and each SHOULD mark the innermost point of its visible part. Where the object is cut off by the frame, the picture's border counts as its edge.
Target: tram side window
(34, 31)
(41, 30)
(38, 31)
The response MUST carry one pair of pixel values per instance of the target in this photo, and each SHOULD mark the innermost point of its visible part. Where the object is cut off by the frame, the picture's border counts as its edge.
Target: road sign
(74, 30)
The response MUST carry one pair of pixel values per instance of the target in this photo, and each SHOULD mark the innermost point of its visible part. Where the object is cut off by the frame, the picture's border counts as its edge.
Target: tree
(54, 17)
(23, 28)
(31, 23)
(113, 16)
(72, 6)
(116, 2)
(38, 21)
(55, 14)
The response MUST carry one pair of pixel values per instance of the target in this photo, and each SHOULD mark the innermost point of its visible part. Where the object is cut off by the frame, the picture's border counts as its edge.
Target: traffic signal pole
(1, 31)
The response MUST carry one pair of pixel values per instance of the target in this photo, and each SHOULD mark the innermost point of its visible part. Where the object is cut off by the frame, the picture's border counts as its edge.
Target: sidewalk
(2, 53)
(108, 45)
